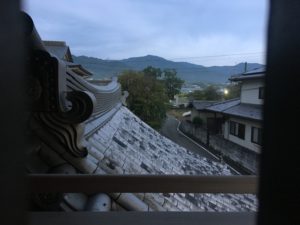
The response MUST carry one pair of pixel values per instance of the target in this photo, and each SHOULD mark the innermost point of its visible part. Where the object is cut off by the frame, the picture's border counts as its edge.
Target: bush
(197, 121)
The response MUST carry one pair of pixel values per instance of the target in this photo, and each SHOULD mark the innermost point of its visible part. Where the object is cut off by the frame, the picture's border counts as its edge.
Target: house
(243, 124)
(197, 109)
(238, 120)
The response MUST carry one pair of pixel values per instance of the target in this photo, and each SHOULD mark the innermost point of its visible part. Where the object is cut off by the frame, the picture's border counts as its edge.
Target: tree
(196, 95)
(234, 91)
(146, 98)
(210, 93)
(197, 121)
(152, 72)
(172, 83)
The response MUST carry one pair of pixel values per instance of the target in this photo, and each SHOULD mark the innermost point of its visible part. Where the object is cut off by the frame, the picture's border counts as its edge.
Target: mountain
(186, 71)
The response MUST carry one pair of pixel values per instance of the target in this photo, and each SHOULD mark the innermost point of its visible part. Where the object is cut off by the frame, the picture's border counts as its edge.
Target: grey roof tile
(199, 104)
(221, 106)
(248, 111)
(234, 107)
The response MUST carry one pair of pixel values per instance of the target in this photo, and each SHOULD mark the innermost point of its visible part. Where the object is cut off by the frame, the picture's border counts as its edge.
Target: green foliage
(152, 72)
(146, 98)
(196, 95)
(197, 121)
(234, 91)
(172, 83)
(210, 93)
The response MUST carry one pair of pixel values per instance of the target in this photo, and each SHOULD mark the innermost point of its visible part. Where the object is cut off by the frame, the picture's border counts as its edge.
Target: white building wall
(243, 142)
(250, 91)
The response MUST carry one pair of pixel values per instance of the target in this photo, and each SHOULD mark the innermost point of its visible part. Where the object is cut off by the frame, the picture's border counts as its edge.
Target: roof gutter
(248, 77)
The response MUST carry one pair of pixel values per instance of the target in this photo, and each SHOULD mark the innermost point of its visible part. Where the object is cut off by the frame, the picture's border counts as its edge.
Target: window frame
(259, 135)
(261, 93)
(237, 129)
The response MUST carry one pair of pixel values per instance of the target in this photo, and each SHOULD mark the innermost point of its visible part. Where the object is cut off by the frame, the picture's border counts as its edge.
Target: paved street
(169, 130)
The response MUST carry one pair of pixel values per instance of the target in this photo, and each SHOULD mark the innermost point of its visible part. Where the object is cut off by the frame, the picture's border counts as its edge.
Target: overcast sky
(206, 32)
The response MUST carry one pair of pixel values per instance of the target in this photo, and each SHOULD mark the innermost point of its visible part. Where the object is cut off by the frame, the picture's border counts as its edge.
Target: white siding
(250, 90)
(243, 142)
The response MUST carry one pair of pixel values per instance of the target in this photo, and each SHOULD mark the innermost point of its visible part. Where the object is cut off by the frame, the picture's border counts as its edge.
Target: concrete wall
(250, 90)
(247, 159)
(247, 143)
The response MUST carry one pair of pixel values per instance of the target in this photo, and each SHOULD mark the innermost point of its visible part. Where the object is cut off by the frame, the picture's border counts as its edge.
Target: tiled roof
(221, 106)
(234, 107)
(126, 145)
(199, 104)
(58, 48)
(248, 111)
(258, 73)
(260, 70)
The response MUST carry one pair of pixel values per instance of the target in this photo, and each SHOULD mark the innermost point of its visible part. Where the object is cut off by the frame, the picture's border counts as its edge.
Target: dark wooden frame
(259, 134)
(239, 126)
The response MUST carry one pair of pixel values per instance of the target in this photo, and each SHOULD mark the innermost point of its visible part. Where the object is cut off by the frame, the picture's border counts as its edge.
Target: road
(169, 130)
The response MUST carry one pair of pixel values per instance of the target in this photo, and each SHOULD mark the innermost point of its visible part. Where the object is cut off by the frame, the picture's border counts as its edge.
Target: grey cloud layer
(172, 29)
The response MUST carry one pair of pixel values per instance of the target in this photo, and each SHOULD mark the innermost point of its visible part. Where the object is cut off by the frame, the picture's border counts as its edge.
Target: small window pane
(256, 135)
(241, 131)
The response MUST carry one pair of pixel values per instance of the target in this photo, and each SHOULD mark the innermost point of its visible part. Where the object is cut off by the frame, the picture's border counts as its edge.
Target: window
(237, 129)
(256, 135)
(261, 93)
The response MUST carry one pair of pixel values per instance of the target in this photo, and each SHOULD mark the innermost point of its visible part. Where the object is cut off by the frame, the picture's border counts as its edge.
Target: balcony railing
(143, 184)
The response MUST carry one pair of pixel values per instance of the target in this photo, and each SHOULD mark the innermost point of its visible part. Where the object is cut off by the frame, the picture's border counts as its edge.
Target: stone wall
(231, 152)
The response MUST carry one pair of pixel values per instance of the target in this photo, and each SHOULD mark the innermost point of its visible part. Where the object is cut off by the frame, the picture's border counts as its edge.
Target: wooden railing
(143, 183)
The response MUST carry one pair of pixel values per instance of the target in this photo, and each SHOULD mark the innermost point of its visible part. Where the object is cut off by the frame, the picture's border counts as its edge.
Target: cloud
(183, 29)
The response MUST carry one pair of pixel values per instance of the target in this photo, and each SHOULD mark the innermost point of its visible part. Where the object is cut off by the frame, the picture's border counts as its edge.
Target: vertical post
(207, 136)
(12, 160)
(279, 172)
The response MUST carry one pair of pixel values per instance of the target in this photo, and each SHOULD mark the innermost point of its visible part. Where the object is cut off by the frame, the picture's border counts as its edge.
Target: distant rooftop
(260, 70)
(59, 49)
(199, 104)
(257, 73)
(222, 106)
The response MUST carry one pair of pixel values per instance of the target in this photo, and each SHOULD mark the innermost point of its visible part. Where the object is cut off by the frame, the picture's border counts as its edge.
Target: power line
(224, 55)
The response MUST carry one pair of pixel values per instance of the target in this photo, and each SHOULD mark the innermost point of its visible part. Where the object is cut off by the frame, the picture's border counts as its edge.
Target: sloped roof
(257, 73)
(59, 49)
(199, 104)
(261, 70)
(234, 107)
(79, 69)
(128, 146)
(249, 111)
(221, 106)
